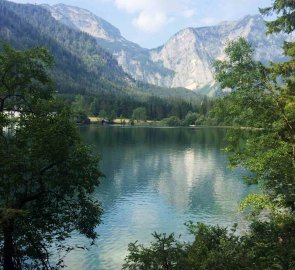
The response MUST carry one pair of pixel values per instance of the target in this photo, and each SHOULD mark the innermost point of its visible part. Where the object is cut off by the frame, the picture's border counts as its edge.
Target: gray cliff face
(134, 59)
(84, 20)
(185, 60)
(191, 52)
(185, 54)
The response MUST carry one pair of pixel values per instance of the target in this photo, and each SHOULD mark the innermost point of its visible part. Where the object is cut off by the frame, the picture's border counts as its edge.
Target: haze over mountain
(185, 59)
(134, 59)
(81, 65)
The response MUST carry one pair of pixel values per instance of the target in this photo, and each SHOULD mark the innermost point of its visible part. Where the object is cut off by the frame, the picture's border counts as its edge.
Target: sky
(150, 23)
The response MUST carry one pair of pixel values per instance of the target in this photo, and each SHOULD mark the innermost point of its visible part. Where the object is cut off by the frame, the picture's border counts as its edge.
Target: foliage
(262, 101)
(139, 114)
(165, 253)
(268, 245)
(81, 118)
(46, 173)
(285, 9)
(263, 206)
(82, 66)
(261, 98)
(191, 119)
(106, 105)
(86, 75)
(172, 121)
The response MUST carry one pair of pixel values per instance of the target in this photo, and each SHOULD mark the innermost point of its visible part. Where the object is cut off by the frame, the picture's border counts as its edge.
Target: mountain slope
(134, 59)
(81, 64)
(185, 60)
(190, 52)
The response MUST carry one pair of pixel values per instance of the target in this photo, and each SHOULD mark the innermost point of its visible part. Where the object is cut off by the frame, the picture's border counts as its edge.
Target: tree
(79, 105)
(190, 119)
(285, 22)
(262, 99)
(46, 173)
(172, 121)
(139, 114)
(94, 107)
(166, 253)
(268, 245)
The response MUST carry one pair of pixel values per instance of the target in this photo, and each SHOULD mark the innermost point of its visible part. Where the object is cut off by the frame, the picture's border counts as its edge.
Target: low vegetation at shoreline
(160, 123)
(48, 175)
(266, 104)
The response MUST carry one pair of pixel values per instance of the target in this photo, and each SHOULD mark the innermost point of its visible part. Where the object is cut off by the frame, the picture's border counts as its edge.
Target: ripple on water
(157, 179)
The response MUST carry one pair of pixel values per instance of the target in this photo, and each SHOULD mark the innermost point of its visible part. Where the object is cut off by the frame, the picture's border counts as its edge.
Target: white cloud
(133, 6)
(153, 15)
(189, 13)
(151, 22)
(28, 1)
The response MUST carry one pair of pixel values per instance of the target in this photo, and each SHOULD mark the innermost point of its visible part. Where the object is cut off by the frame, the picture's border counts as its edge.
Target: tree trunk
(1, 105)
(8, 247)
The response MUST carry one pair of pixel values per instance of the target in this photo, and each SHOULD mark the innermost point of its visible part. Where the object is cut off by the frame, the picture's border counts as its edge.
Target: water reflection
(156, 179)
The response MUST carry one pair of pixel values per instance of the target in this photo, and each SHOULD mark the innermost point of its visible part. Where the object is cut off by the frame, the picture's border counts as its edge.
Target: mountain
(185, 59)
(134, 59)
(81, 65)
(190, 52)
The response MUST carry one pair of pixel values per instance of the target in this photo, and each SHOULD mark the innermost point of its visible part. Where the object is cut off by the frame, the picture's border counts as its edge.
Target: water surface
(157, 179)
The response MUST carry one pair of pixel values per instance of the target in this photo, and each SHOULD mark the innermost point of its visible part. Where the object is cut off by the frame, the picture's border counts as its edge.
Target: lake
(157, 179)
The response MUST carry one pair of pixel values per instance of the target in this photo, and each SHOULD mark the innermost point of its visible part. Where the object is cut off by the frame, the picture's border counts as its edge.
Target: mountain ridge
(185, 59)
(85, 75)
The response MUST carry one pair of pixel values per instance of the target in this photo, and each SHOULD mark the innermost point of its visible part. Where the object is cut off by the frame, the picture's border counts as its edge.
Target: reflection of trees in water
(184, 165)
(115, 136)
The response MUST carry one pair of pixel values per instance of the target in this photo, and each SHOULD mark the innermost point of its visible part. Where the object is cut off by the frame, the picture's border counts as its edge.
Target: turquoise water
(157, 179)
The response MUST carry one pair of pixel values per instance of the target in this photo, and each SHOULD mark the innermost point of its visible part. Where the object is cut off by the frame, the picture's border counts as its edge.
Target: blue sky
(151, 23)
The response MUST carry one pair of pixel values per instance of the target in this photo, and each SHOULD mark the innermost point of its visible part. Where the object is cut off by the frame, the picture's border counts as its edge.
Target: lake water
(157, 179)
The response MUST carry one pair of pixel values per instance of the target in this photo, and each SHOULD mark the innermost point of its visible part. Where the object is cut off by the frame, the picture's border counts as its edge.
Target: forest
(83, 68)
(48, 174)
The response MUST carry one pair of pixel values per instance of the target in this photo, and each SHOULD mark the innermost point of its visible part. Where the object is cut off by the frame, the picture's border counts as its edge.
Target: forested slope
(80, 64)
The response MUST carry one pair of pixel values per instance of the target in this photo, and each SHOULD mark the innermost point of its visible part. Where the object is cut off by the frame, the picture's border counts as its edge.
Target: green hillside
(83, 68)
(80, 64)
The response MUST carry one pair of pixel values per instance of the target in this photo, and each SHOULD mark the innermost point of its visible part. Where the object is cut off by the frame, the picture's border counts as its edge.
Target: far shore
(155, 123)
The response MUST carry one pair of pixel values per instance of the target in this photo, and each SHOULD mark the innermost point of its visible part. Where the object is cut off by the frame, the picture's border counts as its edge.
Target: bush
(172, 121)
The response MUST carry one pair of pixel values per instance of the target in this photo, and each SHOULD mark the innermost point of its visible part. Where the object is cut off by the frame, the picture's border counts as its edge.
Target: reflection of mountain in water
(185, 166)
(156, 179)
